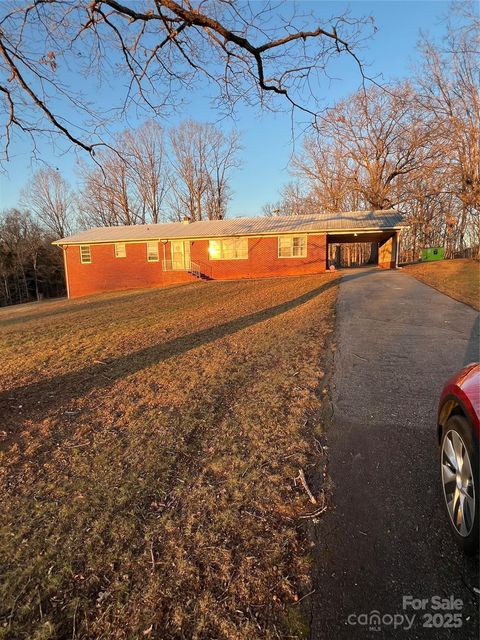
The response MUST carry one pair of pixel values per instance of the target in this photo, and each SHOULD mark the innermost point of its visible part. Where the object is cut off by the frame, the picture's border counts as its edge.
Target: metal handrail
(205, 269)
(198, 269)
(167, 265)
(195, 269)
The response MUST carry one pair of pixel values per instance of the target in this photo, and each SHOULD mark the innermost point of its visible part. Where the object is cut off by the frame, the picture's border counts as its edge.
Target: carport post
(397, 248)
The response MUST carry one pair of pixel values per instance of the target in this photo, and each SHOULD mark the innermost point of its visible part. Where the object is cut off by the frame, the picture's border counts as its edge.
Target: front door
(180, 255)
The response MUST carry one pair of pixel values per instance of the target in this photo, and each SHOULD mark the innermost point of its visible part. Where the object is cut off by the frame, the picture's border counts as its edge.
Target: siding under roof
(321, 222)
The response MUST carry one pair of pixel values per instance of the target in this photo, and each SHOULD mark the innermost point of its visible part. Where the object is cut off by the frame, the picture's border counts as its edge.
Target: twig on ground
(314, 514)
(20, 593)
(254, 515)
(301, 477)
(152, 556)
(74, 627)
(305, 596)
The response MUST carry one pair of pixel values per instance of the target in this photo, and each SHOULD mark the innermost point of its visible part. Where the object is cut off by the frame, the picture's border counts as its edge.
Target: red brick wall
(263, 260)
(107, 273)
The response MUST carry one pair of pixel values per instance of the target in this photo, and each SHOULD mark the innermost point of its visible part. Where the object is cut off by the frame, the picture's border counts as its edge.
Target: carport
(386, 241)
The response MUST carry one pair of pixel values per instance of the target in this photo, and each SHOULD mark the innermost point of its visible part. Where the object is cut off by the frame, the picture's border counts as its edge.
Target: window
(292, 246)
(152, 251)
(228, 249)
(85, 254)
(120, 250)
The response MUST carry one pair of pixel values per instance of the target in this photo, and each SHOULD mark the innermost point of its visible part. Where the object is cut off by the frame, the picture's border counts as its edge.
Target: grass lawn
(150, 444)
(459, 279)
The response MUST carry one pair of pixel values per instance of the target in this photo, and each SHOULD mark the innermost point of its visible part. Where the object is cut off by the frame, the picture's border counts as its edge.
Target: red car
(458, 435)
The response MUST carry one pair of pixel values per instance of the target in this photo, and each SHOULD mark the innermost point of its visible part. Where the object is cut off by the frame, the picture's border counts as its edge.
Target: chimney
(186, 220)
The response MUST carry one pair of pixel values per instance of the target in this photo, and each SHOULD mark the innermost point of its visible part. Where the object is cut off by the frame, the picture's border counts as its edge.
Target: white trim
(89, 261)
(155, 243)
(120, 244)
(292, 236)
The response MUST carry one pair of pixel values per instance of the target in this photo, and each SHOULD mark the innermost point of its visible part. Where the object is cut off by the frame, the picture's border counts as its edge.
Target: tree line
(30, 267)
(413, 145)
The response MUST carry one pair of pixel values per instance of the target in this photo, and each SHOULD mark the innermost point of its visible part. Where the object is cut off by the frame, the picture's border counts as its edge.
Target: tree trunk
(35, 278)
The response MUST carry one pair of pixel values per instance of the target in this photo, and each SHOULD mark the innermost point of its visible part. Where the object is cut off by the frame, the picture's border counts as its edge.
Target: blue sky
(267, 137)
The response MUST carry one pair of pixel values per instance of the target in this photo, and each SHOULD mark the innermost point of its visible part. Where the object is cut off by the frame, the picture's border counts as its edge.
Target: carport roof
(320, 222)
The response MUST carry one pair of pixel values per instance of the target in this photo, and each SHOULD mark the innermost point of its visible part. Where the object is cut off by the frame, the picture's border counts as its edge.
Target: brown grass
(150, 445)
(459, 279)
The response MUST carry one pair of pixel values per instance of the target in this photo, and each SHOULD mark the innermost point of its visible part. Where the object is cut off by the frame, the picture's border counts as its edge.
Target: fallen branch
(301, 477)
(305, 596)
(254, 515)
(314, 514)
(73, 446)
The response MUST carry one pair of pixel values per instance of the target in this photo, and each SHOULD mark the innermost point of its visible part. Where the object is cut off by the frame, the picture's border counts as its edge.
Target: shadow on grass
(74, 306)
(39, 398)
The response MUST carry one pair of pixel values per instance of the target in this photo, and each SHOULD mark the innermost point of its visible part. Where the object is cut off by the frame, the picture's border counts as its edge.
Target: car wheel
(459, 474)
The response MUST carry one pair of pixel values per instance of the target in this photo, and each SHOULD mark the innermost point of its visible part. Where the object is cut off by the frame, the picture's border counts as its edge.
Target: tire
(459, 477)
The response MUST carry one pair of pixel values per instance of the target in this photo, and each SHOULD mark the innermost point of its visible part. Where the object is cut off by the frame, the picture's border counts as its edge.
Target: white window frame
(292, 237)
(221, 253)
(120, 250)
(83, 260)
(152, 249)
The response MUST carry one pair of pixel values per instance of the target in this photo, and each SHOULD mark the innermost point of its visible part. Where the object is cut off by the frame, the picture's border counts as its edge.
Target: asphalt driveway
(397, 342)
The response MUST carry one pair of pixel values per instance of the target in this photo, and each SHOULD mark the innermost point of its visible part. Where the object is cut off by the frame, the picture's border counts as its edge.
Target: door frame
(185, 260)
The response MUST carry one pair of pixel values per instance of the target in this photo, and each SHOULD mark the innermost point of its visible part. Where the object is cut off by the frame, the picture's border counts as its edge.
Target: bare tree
(221, 161)
(449, 87)
(294, 201)
(108, 195)
(6, 269)
(34, 241)
(50, 199)
(325, 169)
(202, 160)
(367, 145)
(144, 151)
(153, 53)
(154, 178)
(96, 202)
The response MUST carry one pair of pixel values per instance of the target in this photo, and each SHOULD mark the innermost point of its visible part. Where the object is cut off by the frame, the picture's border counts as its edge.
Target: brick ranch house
(128, 257)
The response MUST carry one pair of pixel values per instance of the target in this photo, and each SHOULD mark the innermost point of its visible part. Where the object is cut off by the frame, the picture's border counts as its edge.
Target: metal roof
(321, 222)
